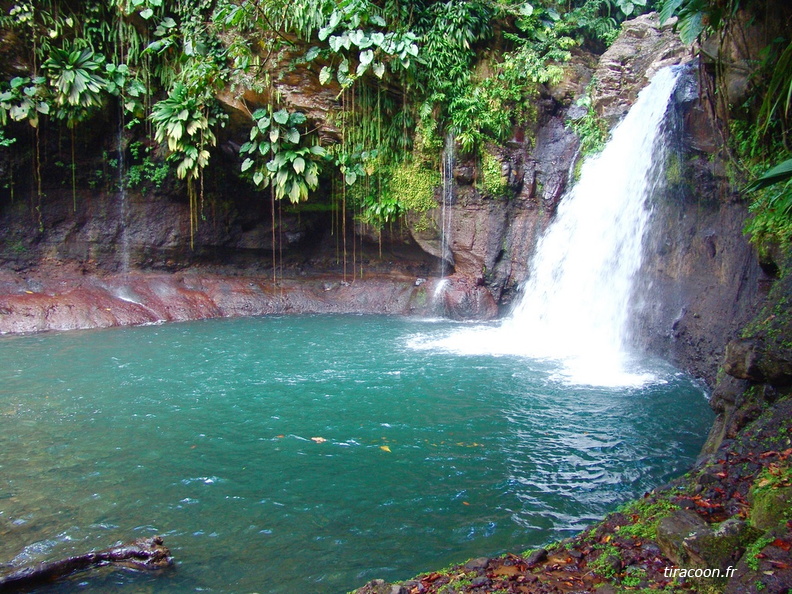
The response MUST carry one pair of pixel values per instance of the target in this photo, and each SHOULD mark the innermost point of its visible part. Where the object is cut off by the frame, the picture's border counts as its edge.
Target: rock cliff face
(701, 280)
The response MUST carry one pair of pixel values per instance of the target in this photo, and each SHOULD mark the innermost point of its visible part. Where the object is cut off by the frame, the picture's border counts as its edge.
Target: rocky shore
(61, 298)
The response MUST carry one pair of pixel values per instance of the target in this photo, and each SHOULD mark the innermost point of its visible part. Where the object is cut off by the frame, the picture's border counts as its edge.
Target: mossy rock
(672, 532)
(721, 545)
(771, 508)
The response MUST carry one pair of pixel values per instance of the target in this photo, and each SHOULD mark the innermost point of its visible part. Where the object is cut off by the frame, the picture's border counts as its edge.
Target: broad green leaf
(690, 28)
(335, 43)
(259, 113)
(346, 41)
(350, 177)
(18, 113)
(777, 174)
(318, 150)
(377, 20)
(294, 192)
(263, 147)
(366, 57)
(668, 9)
(325, 74)
(299, 165)
(147, 13)
(281, 177)
(293, 136)
(297, 118)
(311, 178)
(357, 37)
(281, 116)
(324, 32)
(258, 177)
(312, 53)
(379, 69)
(526, 9)
(377, 38)
(246, 164)
(274, 134)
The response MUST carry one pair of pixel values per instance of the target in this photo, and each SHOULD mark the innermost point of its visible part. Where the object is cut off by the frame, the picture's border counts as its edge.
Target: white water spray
(576, 303)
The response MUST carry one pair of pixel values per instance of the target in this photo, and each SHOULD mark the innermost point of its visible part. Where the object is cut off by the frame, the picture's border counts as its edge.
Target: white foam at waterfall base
(575, 305)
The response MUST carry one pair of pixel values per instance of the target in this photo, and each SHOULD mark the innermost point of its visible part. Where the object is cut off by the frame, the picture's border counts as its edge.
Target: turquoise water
(202, 432)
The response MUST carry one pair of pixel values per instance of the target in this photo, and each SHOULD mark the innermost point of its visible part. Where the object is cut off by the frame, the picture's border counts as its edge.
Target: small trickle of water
(438, 304)
(122, 199)
(449, 155)
(576, 302)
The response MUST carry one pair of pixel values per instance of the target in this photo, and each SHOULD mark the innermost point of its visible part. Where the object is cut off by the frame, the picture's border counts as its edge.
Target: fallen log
(143, 553)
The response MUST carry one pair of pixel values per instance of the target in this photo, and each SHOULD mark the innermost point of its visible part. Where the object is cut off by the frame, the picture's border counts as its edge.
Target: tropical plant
(24, 98)
(77, 89)
(275, 156)
(357, 33)
(77, 82)
(183, 121)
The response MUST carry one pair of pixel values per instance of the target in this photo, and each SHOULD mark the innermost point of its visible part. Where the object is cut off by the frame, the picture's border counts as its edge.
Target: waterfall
(446, 200)
(449, 154)
(575, 305)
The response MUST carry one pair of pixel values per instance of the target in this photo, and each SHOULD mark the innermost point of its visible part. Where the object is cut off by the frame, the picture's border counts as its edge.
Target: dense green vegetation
(759, 125)
(404, 75)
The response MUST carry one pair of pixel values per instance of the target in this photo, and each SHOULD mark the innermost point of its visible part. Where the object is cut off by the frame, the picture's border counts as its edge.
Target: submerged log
(143, 553)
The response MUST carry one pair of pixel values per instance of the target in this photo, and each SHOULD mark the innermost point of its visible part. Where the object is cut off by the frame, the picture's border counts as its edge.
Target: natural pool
(202, 432)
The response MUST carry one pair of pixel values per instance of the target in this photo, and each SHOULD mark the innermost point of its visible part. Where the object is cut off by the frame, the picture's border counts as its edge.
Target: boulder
(643, 47)
(751, 359)
(464, 300)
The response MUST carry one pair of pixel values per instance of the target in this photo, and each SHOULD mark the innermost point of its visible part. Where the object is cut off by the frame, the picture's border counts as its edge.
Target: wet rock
(770, 507)
(122, 300)
(643, 47)
(477, 564)
(414, 586)
(720, 546)
(379, 586)
(672, 532)
(536, 557)
(481, 581)
(764, 571)
(751, 359)
(465, 301)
